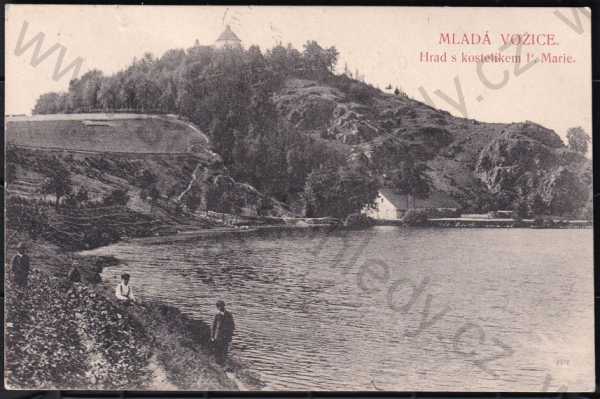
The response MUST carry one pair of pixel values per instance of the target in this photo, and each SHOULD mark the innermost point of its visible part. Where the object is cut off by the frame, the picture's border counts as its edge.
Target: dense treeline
(184, 81)
(228, 94)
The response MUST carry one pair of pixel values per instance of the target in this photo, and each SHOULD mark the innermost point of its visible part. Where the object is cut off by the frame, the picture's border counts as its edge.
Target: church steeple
(228, 39)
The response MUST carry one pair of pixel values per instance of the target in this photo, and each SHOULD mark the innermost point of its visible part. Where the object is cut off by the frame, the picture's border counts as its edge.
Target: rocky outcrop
(350, 126)
(536, 132)
(475, 162)
(510, 156)
(527, 160)
(563, 190)
(312, 107)
(307, 105)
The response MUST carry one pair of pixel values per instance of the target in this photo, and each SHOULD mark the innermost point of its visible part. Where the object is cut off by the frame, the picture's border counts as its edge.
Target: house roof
(436, 199)
(228, 35)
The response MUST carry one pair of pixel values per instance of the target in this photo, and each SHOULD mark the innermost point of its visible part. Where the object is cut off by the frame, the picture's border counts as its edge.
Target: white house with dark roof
(228, 39)
(390, 204)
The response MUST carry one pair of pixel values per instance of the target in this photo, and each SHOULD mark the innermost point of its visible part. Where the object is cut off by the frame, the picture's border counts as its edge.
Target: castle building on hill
(228, 39)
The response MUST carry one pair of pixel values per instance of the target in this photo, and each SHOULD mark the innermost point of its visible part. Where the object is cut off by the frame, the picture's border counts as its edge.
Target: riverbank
(62, 335)
(493, 223)
(299, 224)
(509, 223)
(192, 235)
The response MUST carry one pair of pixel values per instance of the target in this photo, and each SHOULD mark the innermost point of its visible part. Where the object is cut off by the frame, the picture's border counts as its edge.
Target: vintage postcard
(298, 198)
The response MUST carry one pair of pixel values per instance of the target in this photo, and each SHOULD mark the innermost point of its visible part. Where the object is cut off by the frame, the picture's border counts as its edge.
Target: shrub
(147, 179)
(82, 195)
(29, 216)
(116, 197)
(99, 236)
(70, 201)
(179, 211)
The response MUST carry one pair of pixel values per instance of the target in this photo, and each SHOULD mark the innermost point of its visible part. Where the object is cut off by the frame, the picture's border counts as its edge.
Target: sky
(385, 44)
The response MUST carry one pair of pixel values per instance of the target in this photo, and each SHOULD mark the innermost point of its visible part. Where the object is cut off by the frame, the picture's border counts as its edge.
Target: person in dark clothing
(20, 266)
(74, 275)
(222, 333)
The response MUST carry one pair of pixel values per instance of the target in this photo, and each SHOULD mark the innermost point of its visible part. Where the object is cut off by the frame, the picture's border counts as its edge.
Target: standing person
(74, 275)
(222, 332)
(20, 266)
(124, 292)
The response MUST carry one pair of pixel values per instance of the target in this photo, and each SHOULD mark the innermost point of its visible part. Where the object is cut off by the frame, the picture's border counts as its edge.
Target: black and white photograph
(281, 198)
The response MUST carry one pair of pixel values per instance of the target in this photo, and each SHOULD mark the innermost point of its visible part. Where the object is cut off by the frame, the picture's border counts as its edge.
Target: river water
(388, 308)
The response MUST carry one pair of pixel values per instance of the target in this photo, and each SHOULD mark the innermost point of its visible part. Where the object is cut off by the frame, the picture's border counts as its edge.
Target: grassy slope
(76, 336)
(113, 133)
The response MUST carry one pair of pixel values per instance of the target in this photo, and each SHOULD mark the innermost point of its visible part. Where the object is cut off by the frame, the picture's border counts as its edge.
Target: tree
(171, 59)
(255, 58)
(538, 206)
(331, 58)
(108, 93)
(567, 193)
(397, 91)
(520, 210)
(147, 179)
(578, 140)
(70, 201)
(47, 103)
(504, 199)
(154, 195)
(82, 196)
(147, 93)
(58, 182)
(412, 179)
(83, 92)
(338, 193)
(91, 87)
(168, 98)
(318, 59)
(192, 200)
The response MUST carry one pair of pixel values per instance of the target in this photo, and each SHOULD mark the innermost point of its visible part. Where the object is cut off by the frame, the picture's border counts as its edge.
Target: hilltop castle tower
(228, 39)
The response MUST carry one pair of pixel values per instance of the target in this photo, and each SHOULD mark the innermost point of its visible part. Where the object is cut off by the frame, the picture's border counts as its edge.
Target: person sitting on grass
(124, 292)
(222, 333)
